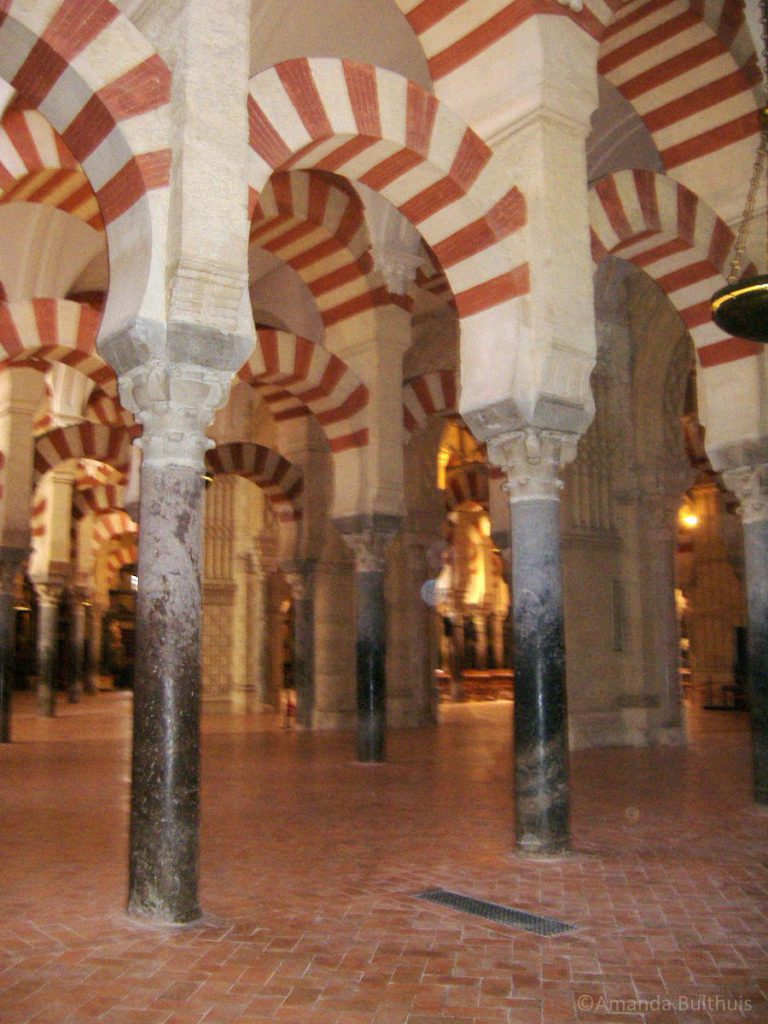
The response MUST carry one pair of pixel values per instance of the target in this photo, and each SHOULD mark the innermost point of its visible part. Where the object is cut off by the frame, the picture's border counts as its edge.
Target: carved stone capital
(48, 592)
(298, 576)
(397, 266)
(532, 460)
(369, 536)
(174, 403)
(750, 485)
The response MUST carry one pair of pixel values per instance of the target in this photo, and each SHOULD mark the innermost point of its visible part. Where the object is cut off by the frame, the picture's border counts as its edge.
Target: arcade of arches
(305, 325)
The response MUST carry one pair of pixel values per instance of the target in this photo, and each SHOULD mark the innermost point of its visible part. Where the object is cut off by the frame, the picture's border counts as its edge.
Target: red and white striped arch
(103, 88)
(453, 32)
(469, 482)
(38, 332)
(281, 480)
(427, 395)
(83, 441)
(690, 71)
(373, 126)
(111, 525)
(98, 499)
(663, 228)
(297, 376)
(126, 553)
(36, 167)
(106, 408)
(318, 227)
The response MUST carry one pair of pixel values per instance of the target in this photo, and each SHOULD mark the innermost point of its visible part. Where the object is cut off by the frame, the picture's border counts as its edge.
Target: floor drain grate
(496, 912)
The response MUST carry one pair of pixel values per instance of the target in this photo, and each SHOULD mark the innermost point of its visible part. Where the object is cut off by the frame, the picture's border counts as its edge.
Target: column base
(46, 701)
(539, 848)
(163, 916)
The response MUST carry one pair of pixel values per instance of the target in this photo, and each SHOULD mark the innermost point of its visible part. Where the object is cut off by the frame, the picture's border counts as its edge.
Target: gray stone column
(174, 404)
(458, 656)
(660, 497)
(48, 597)
(94, 634)
(750, 485)
(77, 644)
(10, 562)
(369, 536)
(300, 578)
(532, 460)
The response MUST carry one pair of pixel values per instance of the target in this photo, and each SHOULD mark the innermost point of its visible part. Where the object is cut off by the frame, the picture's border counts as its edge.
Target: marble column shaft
(301, 583)
(163, 870)
(369, 536)
(541, 732)
(532, 460)
(750, 484)
(48, 597)
(10, 560)
(174, 403)
(371, 667)
(756, 578)
(77, 647)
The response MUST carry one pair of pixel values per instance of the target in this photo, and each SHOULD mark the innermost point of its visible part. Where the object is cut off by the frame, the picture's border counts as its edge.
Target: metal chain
(749, 208)
(757, 170)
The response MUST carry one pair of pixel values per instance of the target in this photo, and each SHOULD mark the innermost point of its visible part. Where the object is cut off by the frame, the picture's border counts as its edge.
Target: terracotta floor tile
(310, 864)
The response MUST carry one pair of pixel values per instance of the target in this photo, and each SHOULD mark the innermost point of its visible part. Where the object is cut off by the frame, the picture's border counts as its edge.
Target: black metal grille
(496, 912)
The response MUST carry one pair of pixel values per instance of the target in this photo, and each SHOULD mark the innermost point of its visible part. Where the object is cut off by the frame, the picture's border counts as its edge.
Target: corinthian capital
(532, 459)
(750, 485)
(369, 536)
(174, 403)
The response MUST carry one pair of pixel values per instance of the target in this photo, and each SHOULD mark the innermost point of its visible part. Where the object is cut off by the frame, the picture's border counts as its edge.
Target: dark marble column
(10, 562)
(369, 536)
(174, 404)
(458, 656)
(532, 461)
(48, 597)
(750, 484)
(300, 579)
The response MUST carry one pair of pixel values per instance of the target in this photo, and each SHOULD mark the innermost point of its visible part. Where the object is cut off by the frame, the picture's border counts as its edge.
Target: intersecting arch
(312, 223)
(296, 375)
(100, 84)
(427, 395)
(96, 441)
(691, 72)
(667, 231)
(36, 167)
(281, 481)
(38, 332)
(373, 126)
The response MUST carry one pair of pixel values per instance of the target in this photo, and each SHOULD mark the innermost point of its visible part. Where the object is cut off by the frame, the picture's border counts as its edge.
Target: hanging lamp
(741, 307)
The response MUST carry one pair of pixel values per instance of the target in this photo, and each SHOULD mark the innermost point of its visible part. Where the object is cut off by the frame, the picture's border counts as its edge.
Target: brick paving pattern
(310, 863)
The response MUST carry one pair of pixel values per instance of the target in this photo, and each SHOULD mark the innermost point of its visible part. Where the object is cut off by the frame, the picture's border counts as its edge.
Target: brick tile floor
(310, 863)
